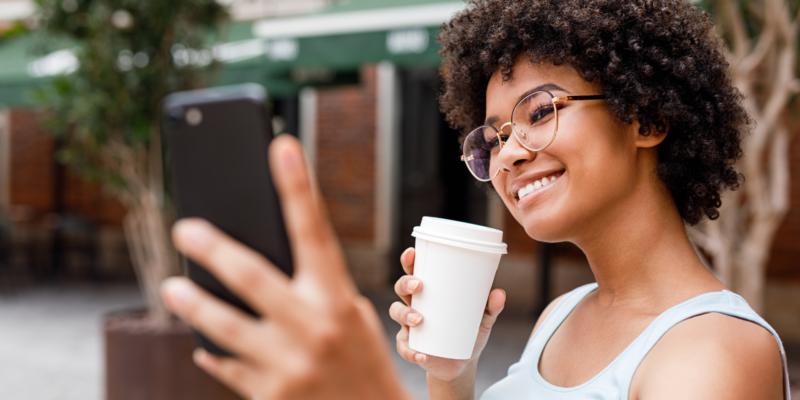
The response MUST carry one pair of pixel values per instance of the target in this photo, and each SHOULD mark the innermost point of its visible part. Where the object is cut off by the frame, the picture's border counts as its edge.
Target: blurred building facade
(243, 10)
(15, 10)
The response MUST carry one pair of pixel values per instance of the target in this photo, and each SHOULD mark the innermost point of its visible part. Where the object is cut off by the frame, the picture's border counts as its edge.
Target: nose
(512, 155)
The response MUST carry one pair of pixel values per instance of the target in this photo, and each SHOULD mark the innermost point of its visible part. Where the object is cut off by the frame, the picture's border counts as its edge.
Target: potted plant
(105, 115)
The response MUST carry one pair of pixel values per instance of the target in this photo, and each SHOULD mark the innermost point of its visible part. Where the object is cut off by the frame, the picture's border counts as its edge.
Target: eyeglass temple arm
(582, 97)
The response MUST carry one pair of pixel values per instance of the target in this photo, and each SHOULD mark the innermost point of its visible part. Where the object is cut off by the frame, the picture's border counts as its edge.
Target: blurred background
(85, 206)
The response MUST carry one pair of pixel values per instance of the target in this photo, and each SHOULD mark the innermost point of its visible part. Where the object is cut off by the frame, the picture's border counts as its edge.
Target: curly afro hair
(657, 61)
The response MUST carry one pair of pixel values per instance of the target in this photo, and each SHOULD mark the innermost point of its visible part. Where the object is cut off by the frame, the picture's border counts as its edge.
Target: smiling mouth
(537, 185)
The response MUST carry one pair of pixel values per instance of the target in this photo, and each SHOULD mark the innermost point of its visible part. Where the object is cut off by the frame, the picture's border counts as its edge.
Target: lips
(538, 186)
(536, 179)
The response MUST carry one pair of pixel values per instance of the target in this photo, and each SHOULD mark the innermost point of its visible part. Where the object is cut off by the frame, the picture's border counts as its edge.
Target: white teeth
(537, 185)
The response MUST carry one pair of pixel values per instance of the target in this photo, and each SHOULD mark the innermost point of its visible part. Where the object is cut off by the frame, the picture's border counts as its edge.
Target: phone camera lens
(194, 117)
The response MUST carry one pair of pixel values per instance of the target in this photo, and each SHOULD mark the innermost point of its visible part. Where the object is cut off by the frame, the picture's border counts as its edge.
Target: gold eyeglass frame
(556, 100)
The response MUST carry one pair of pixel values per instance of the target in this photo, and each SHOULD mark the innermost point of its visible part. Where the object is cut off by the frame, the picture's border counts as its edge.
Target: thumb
(494, 306)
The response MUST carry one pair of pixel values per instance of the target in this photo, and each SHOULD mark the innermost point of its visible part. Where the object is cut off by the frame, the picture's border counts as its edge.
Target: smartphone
(217, 155)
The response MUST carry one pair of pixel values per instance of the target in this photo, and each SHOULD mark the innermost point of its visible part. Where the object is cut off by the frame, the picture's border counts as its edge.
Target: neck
(640, 253)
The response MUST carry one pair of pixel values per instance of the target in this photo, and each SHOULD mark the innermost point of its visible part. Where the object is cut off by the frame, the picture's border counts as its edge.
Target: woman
(625, 109)
(606, 123)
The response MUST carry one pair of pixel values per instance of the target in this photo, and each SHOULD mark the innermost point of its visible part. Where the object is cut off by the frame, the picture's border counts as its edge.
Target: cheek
(602, 173)
(601, 170)
(595, 150)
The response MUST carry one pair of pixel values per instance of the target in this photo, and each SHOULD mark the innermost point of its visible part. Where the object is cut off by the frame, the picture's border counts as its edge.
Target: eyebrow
(547, 86)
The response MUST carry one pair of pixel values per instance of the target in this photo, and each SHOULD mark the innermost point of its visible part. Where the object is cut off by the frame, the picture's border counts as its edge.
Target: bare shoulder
(712, 356)
(546, 312)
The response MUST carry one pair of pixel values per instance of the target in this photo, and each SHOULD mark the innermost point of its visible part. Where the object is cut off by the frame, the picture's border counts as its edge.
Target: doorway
(433, 181)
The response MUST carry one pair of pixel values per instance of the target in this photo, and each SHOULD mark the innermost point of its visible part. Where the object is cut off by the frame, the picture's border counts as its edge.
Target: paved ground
(50, 342)
(51, 349)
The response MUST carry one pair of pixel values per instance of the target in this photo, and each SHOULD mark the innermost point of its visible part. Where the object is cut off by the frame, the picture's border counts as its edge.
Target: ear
(650, 140)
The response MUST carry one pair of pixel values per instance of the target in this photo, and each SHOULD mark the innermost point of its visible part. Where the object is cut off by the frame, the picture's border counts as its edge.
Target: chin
(545, 233)
(544, 227)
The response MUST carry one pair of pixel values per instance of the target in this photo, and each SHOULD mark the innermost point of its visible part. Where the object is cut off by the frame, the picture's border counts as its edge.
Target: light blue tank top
(613, 382)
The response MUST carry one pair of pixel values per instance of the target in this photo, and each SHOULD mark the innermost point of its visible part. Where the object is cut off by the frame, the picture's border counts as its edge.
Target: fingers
(314, 243)
(406, 286)
(242, 270)
(405, 352)
(404, 315)
(224, 324)
(495, 305)
(496, 302)
(407, 260)
(229, 371)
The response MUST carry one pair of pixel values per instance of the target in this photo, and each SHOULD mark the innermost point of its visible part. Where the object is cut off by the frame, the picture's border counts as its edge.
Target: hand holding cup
(443, 369)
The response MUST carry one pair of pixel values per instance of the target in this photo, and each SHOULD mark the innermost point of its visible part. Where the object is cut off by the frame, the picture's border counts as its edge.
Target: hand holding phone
(217, 149)
(322, 339)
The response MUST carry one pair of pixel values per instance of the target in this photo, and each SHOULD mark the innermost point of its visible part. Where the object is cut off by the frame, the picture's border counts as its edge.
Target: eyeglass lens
(534, 124)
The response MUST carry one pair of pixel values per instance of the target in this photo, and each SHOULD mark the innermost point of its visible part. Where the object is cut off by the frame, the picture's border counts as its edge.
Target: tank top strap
(553, 320)
(723, 302)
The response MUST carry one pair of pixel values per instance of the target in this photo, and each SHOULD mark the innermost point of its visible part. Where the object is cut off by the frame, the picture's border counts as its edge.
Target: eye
(491, 141)
(540, 114)
(492, 144)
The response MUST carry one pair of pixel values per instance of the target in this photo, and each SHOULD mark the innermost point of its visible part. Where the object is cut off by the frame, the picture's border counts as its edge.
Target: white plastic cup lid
(461, 234)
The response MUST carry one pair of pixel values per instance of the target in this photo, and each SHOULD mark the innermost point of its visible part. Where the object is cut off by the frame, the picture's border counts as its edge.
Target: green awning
(27, 66)
(23, 68)
(350, 34)
(284, 53)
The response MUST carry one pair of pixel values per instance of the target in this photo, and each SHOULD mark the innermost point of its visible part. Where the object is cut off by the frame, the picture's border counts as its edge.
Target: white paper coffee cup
(456, 263)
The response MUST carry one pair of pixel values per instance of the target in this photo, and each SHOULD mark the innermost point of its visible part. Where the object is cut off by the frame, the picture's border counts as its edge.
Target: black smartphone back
(217, 147)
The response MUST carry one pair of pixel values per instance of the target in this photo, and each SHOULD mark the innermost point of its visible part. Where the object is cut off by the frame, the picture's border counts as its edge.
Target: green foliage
(126, 59)
(13, 30)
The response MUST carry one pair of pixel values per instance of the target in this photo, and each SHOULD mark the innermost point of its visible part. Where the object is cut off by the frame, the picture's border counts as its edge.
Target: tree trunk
(154, 259)
(764, 70)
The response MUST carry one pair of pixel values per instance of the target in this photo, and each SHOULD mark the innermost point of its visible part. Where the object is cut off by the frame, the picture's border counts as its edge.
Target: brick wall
(785, 257)
(345, 156)
(89, 200)
(32, 171)
(33, 174)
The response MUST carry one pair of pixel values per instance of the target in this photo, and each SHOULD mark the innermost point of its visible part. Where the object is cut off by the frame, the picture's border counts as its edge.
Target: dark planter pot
(154, 363)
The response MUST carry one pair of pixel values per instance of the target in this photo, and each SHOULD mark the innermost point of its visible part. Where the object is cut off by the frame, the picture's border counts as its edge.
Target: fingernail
(412, 285)
(419, 357)
(413, 318)
(199, 356)
(178, 291)
(194, 233)
(291, 158)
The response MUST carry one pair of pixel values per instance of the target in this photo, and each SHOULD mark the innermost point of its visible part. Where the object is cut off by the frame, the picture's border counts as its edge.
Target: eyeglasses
(534, 123)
